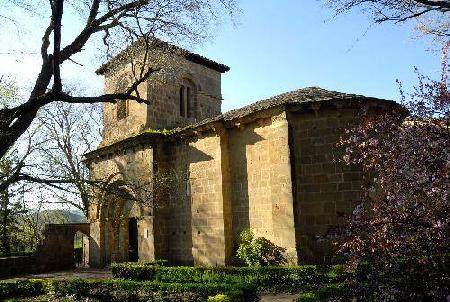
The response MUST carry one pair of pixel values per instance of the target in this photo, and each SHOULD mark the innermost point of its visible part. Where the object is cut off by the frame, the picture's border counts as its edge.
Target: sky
(285, 45)
(275, 47)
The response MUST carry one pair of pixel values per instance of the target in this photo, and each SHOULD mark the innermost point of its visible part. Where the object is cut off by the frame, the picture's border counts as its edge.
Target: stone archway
(118, 207)
(56, 250)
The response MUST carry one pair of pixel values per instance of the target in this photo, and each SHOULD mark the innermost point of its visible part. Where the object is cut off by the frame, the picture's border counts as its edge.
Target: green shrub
(329, 292)
(133, 271)
(266, 279)
(118, 290)
(259, 251)
(219, 298)
(308, 297)
(23, 288)
(126, 290)
(159, 262)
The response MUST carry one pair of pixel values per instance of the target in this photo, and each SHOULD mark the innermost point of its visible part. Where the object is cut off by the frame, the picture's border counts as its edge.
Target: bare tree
(120, 21)
(71, 130)
(433, 16)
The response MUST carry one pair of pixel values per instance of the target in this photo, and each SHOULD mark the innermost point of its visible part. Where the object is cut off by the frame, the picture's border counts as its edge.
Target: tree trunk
(4, 241)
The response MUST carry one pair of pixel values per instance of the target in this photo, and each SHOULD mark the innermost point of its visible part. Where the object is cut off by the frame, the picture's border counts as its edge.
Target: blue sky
(284, 45)
(278, 46)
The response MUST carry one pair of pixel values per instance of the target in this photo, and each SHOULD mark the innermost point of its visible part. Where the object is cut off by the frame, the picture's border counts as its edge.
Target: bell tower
(185, 90)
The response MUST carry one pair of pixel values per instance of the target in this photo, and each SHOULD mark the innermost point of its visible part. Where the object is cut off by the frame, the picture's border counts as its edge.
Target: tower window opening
(188, 101)
(122, 109)
(182, 105)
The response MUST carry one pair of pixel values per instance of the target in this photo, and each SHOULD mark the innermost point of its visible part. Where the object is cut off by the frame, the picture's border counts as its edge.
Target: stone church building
(181, 180)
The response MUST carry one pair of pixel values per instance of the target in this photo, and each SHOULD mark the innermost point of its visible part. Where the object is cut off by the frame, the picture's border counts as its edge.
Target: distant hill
(62, 216)
(52, 217)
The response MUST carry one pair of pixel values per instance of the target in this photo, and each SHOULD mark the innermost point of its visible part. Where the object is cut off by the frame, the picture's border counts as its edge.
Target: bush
(410, 278)
(266, 279)
(259, 251)
(330, 292)
(219, 298)
(23, 288)
(159, 262)
(133, 271)
(125, 290)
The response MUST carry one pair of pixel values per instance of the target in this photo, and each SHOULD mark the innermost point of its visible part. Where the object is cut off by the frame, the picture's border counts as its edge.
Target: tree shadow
(239, 162)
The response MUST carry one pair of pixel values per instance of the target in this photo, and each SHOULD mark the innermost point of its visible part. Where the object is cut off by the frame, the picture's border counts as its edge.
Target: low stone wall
(17, 265)
(53, 254)
(56, 250)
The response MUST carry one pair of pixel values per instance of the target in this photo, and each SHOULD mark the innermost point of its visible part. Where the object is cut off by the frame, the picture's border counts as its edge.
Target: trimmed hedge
(111, 290)
(266, 279)
(334, 292)
(23, 288)
(155, 262)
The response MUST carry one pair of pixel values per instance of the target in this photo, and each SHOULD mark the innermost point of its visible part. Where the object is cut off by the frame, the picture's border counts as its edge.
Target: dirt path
(278, 298)
(72, 274)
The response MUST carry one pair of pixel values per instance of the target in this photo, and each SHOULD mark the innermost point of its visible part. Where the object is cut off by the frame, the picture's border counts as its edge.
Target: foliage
(160, 262)
(8, 92)
(219, 298)
(165, 132)
(266, 279)
(431, 17)
(259, 251)
(22, 288)
(329, 292)
(403, 221)
(10, 213)
(125, 290)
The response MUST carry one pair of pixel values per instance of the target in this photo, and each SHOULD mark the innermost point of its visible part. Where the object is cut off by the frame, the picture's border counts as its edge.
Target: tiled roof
(300, 96)
(159, 44)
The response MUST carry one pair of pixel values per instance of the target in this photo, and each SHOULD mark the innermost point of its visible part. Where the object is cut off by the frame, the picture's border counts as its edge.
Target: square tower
(185, 90)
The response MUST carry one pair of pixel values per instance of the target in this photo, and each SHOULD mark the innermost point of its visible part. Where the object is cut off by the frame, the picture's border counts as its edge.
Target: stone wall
(54, 253)
(115, 129)
(132, 172)
(196, 228)
(226, 180)
(17, 265)
(325, 189)
(261, 181)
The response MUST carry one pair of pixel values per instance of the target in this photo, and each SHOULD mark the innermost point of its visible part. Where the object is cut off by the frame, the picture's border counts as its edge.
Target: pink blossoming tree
(400, 232)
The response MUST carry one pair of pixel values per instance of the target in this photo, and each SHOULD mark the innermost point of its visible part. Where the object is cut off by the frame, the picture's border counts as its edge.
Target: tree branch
(46, 41)
(440, 5)
(57, 13)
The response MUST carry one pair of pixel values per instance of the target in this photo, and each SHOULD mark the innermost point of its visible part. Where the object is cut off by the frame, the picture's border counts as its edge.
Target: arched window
(182, 104)
(186, 99)
(122, 109)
